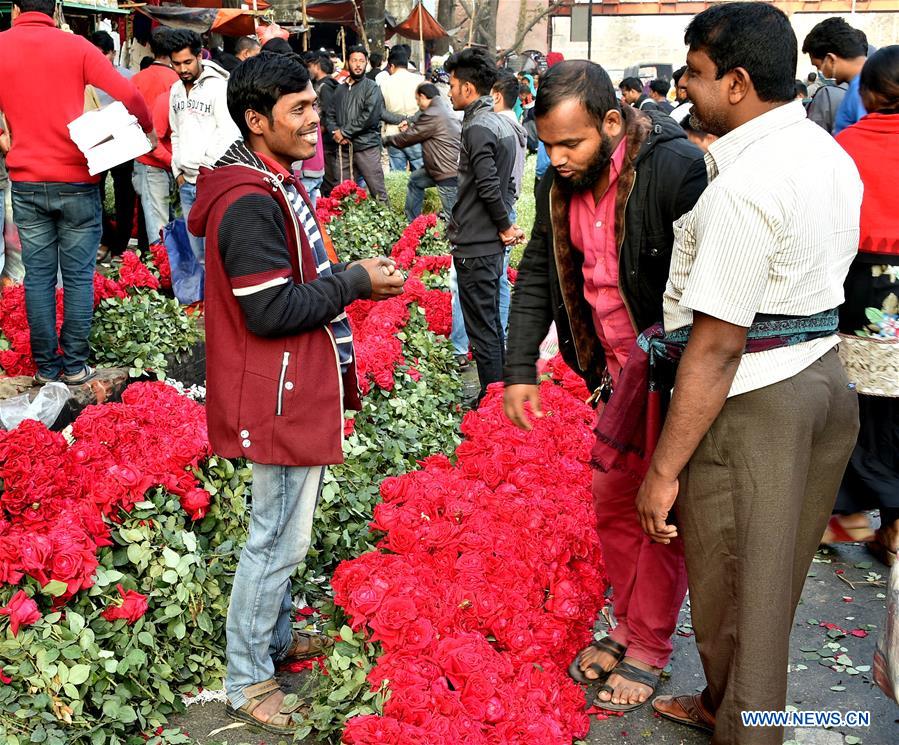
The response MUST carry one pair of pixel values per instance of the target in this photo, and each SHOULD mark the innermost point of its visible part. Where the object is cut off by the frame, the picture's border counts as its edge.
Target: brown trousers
(753, 504)
(366, 163)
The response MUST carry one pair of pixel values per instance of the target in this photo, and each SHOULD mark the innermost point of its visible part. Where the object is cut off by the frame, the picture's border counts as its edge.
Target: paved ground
(828, 598)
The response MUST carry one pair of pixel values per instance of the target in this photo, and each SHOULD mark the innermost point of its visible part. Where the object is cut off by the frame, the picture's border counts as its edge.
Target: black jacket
(486, 184)
(662, 176)
(439, 133)
(358, 111)
(325, 89)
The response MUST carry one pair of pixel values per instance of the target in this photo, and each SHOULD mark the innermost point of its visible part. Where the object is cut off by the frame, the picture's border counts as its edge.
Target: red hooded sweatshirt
(873, 143)
(44, 72)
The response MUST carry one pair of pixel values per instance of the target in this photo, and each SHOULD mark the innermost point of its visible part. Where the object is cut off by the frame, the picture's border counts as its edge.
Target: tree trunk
(446, 17)
(485, 30)
(374, 23)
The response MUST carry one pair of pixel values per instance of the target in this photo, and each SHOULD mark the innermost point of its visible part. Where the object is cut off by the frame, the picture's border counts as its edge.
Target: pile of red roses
(327, 208)
(376, 325)
(57, 496)
(486, 584)
(133, 274)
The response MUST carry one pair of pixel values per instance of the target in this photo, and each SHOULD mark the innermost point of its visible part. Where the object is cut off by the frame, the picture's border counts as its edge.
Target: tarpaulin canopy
(227, 21)
(419, 25)
(347, 12)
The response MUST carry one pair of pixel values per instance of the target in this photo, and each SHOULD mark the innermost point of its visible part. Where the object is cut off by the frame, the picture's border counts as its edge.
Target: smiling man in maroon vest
(280, 366)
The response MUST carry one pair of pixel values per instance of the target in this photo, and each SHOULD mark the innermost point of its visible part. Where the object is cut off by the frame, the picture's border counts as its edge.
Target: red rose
(22, 611)
(196, 503)
(133, 607)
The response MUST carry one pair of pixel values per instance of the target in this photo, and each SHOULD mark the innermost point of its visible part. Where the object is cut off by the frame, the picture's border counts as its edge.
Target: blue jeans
(188, 193)
(400, 157)
(415, 194)
(313, 187)
(259, 615)
(59, 227)
(153, 186)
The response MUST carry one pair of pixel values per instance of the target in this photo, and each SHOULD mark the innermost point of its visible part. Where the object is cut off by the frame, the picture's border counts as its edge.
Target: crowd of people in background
(660, 209)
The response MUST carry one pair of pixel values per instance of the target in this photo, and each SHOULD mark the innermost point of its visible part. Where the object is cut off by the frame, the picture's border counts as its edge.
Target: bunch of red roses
(16, 360)
(327, 208)
(53, 506)
(486, 583)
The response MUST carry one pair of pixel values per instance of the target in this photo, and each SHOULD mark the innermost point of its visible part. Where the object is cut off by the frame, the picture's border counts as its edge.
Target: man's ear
(612, 123)
(254, 121)
(739, 86)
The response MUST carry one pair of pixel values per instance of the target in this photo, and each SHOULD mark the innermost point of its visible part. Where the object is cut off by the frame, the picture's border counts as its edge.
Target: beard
(590, 175)
(357, 76)
(712, 122)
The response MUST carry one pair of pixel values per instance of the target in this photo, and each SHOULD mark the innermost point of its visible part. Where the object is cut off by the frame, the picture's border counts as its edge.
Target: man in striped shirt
(280, 366)
(754, 444)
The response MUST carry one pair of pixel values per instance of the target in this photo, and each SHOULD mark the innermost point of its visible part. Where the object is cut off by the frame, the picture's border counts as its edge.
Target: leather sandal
(686, 709)
(306, 644)
(608, 645)
(635, 675)
(280, 723)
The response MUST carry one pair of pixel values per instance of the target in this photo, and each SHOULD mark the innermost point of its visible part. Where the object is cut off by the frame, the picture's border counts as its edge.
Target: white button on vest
(246, 443)
(599, 223)
(288, 385)
(244, 433)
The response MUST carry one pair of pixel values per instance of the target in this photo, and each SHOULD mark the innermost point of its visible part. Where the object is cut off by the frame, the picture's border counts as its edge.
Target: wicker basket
(872, 365)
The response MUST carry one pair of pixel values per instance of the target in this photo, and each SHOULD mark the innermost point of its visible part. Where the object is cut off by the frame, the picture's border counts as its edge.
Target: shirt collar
(276, 168)
(35, 18)
(726, 150)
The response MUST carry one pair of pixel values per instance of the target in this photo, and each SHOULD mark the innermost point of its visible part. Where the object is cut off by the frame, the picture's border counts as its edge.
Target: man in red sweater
(152, 172)
(56, 202)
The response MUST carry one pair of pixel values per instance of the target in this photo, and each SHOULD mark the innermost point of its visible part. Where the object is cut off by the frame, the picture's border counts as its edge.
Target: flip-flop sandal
(841, 534)
(608, 645)
(696, 715)
(304, 645)
(633, 674)
(280, 723)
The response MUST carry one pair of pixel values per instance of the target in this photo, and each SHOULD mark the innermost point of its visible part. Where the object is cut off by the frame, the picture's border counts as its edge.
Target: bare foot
(626, 691)
(593, 656)
(857, 528)
(269, 708)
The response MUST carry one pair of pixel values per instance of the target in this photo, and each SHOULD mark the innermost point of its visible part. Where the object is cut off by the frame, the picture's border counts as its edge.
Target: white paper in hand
(108, 137)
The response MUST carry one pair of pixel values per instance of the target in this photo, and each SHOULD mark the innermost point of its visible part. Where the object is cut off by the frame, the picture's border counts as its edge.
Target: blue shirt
(542, 159)
(851, 109)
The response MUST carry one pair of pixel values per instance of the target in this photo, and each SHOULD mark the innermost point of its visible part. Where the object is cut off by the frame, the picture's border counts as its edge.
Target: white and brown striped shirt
(774, 233)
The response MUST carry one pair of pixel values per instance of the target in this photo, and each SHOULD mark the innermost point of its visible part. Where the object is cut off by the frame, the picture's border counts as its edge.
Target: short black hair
(323, 60)
(245, 42)
(159, 41)
(103, 41)
(475, 66)
(277, 45)
(879, 82)
(145, 62)
(47, 7)
(800, 87)
(660, 86)
(835, 36)
(812, 77)
(356, 49)
(182, 38)
(428, 90)
(755, 36)
(631, 84)
(376, 59)
(398, 57)
(678, 74)
(579, 80)
(508, 87)
(258, 82)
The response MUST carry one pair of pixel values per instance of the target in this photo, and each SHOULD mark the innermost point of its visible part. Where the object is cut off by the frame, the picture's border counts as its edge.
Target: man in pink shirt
(597, 264)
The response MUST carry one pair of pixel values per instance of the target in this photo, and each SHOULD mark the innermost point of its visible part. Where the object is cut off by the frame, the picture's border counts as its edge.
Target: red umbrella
(419, 25)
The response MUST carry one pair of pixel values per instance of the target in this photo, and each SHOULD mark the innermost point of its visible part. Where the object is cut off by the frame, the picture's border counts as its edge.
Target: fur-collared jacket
(661, 178)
